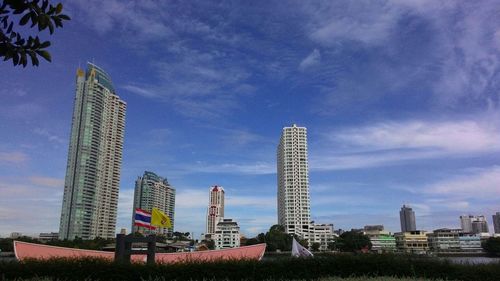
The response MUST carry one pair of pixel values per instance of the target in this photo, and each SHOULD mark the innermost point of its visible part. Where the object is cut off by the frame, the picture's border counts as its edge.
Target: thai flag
(143, 218)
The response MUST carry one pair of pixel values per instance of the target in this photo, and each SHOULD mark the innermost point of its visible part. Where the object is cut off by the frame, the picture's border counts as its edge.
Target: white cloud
(15, 157)
(473, 136)
(47, 181)
(389, 143)
(477, 183)
(363, 21)
(50, 136)
(29, 208)
(252, 201)
(311, 60)
(258, 168)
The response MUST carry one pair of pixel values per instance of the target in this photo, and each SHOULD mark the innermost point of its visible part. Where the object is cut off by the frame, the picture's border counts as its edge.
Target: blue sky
(400, 98)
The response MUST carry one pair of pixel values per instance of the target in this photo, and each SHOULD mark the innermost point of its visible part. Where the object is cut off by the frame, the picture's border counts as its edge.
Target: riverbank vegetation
(342, 265)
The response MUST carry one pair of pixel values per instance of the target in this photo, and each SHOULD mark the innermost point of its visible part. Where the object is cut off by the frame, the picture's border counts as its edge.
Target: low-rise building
(470, 242)
(322, 234)
(227, 234)
(412, 242)
(382, 241)
(444, 240)
(48, 236)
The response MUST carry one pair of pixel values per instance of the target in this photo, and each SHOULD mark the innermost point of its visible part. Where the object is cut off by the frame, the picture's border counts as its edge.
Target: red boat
(24, 250)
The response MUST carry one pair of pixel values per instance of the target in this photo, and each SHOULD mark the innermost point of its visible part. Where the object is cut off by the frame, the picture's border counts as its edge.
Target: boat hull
(24, 250)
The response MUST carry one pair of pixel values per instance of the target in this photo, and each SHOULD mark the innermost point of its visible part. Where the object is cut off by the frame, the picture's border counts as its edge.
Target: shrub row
(280, 269)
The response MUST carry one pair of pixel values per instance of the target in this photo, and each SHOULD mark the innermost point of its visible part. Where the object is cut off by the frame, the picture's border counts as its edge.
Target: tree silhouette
(41, 14)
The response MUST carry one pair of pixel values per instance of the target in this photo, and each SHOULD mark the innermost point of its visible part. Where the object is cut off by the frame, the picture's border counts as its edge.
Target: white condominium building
(215, 210)
(227, 234)
(322, 234)
(293, 182)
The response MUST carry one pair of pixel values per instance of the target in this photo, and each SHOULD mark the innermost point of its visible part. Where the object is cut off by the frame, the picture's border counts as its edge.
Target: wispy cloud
(472, 184)
(389, 143)
(14, 157)
(457, 56)
(50, 136)
(40, 206)
(47, 181)
(258, 168)
(312, 59)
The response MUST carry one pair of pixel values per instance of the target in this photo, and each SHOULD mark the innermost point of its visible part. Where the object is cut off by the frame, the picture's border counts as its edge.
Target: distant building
(474, 224)
(496, 222)
(92, 182)
(322, 234)
(294, 211)
(152, 191)
(407, 218)
(480, 226)
(377, 227)
(445, 240)
(48, 236)
(15, 235)
(412, 242)
(466, 223)
(123, 231)
(382, 241)
(227, 234)
(470, 242)
(215, 210)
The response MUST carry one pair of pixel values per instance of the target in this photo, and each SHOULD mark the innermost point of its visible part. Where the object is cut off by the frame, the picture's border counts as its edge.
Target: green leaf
(51, 27)
(24, 20)
(24, 61)
(36, 43)
(34, 59)
(34, 19)
(42, 22)
(64, 17)
(45, 45)
(44, 54)
(59, 8)
(15, 59)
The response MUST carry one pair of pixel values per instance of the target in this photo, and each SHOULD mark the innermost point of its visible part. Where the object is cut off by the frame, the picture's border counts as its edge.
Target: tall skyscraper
(94, 159)
(496, 222)
(215, 211)
(294, 212)
(151, 191)
(474, 224)
(407, 218)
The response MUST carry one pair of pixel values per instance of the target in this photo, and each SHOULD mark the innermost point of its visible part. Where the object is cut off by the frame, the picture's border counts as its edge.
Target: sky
(400, 100)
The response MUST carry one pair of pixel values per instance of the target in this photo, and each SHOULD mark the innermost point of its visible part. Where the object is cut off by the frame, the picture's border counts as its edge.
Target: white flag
(299, 251)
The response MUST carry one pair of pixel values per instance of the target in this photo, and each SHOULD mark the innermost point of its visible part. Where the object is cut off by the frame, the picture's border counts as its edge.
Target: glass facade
(92, 179)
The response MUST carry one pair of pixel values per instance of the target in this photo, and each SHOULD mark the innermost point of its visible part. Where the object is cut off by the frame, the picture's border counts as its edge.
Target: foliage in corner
(40, 14)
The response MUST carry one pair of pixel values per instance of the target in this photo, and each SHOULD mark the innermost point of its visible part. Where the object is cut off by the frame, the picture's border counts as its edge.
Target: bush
(280, 269)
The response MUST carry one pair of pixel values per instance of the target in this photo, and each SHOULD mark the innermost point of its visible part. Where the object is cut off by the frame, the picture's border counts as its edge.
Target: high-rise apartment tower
(94, 159)
(215, 211)
(294, 212)
(496, 222)
(407, 218)
(151, 191)
(474, 224)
